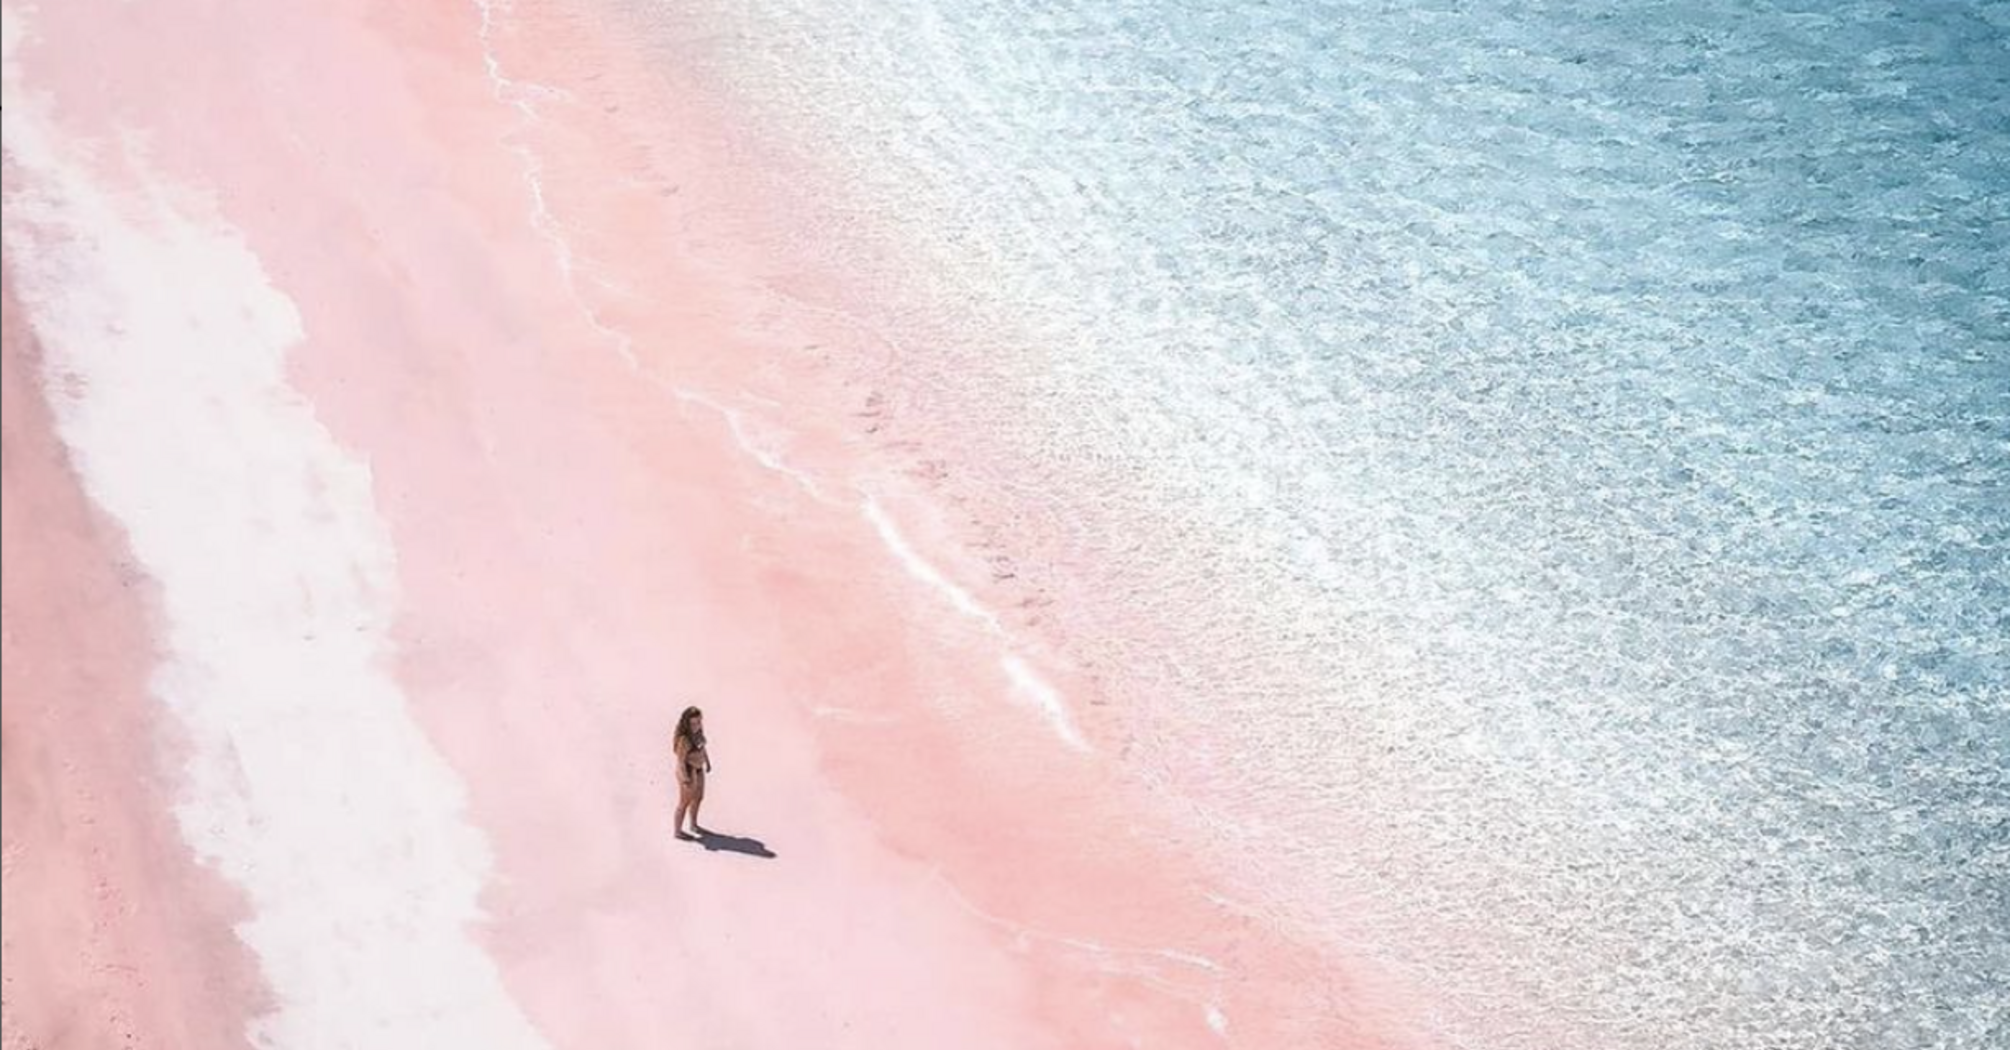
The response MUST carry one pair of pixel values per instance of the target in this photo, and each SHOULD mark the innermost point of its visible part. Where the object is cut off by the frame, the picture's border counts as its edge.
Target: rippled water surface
(1587, 428)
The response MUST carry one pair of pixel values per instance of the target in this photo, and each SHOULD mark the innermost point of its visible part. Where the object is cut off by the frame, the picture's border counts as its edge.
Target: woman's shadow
(715, 842)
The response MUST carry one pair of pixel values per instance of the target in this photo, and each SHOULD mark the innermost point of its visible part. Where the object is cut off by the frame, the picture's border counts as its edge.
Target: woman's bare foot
(686, 836)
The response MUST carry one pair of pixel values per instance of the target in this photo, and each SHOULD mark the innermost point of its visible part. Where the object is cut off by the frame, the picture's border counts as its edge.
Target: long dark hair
(684, 726)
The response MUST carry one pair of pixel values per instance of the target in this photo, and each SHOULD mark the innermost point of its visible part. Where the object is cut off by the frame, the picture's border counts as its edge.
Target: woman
(692, 765)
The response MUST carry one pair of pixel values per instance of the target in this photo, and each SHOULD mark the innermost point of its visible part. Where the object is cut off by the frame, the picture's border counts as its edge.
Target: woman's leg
(697, 798)
(684, 804)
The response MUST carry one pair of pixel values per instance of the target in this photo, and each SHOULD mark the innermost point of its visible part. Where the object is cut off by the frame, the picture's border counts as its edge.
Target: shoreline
(580, 551)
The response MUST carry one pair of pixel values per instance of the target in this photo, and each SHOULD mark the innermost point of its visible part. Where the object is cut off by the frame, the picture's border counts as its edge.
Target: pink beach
(375, 497)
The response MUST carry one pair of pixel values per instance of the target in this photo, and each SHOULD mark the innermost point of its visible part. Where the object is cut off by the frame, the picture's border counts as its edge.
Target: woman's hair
(684, 724)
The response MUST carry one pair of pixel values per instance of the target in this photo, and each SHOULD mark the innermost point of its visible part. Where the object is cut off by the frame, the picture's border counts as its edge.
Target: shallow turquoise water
(1588, 427)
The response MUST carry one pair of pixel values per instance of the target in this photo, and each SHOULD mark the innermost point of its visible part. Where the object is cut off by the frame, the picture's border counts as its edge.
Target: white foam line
(1201, 961)
(1018, 672)
(1048, 699)
(766, 457)
(308, 785)
(920, 569)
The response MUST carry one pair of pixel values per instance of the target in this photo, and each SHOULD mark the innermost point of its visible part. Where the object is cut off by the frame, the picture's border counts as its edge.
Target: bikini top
(695, 756)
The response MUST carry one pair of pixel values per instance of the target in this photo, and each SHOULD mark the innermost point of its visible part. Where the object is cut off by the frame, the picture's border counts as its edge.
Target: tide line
(519, 96)
(1023, 679)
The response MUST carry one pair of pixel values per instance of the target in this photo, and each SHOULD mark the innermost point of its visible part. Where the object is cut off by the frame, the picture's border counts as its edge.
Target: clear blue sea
(1587, 427)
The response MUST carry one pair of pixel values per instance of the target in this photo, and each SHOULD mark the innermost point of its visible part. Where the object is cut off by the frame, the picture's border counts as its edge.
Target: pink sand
(581, 551)
(112, 934)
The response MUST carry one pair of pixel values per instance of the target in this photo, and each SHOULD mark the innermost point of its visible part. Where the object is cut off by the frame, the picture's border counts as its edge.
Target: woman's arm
(683, 749)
